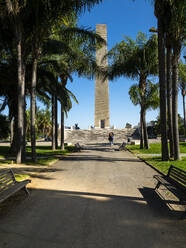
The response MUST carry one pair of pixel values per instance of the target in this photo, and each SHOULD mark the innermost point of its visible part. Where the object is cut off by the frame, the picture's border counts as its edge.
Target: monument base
(100, 128)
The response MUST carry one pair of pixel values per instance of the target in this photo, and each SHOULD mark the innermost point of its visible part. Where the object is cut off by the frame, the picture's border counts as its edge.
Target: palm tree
(15, 12)
(5, 127)
(171, 24)
(169, 96)
(8, 87)
(54, 122)
(168, 72)
(165, 71)
(77, 57)
(176, 34)
(136, 60)
(48, 86)
(43, 122)
(64, 79)
(20, 13)
(44, 22)
(160, 12)
(52, 61)
(176, 44)
(146, 101)
(66, 105)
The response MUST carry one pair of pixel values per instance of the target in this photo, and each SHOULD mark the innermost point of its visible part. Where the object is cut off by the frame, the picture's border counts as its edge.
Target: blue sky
(123, 17)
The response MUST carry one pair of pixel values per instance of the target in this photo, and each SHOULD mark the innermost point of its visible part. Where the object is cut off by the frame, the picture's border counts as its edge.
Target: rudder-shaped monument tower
(102, 115)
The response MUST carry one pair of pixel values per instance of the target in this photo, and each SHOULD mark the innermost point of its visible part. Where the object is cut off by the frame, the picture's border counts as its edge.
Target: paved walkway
(98, 198)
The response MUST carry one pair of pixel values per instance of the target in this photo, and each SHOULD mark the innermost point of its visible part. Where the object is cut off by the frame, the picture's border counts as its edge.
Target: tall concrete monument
(102, 116)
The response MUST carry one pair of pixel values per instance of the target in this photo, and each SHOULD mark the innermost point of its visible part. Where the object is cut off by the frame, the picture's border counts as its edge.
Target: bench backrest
(178, 177)
(7, 179)
(123, 144)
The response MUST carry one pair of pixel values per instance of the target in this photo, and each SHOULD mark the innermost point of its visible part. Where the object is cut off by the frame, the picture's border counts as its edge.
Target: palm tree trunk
(62, 129)
(162, 82)
(146, 143)
(63, 78)
(14, 143)
(56, 124)
(35, 55)
(33, 109)
(13, 10)
(176, 56)
(53, 123)
(11, 131)
(21, 102)
(14, 120)
(24, 124)
(184, 113)
(141, 129)
(142, 86)
(169, 101)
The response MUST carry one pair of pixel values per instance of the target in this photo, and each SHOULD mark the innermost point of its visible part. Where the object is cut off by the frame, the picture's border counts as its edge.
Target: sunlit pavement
(38, 143)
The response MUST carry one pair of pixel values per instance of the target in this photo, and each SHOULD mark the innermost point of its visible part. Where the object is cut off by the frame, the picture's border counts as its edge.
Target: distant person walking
(111, 138)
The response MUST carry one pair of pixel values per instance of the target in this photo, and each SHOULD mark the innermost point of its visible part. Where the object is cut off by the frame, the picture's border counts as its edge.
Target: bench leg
(157, 185)
(183, 216)
(26, 190)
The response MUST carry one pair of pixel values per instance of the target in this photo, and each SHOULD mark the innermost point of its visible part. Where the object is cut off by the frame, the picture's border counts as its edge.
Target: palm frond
(84, 34)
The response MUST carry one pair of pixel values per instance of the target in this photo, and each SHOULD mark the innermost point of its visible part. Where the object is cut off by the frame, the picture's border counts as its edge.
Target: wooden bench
(78, 147)
(123, 146)
(174, 181)
(9, 185)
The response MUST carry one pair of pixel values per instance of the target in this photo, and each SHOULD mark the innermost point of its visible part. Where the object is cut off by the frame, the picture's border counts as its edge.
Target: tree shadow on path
(75, 157)
(58, 218)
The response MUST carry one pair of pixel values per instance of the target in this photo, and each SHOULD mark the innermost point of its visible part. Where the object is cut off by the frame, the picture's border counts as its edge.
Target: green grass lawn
(46, 151)
(155, 148)
(156, 161)
(163, 166)
(45, 155)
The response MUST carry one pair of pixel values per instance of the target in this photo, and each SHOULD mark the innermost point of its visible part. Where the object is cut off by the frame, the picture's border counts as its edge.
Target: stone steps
(97, 135)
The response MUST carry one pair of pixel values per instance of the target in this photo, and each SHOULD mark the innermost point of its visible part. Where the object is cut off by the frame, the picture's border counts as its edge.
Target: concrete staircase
(97, 135)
